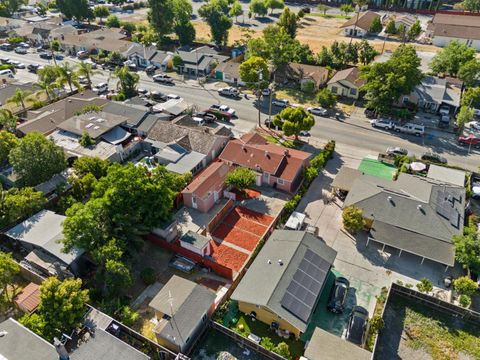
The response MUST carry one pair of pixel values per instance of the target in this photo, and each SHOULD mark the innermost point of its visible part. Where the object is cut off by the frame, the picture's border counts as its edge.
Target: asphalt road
(355, 130)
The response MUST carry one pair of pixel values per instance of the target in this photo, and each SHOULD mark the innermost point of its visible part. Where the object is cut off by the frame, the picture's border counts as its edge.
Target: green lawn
(291, 144)
(376, 168)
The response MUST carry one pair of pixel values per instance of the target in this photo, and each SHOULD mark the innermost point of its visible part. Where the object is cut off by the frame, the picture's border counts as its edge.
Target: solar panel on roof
(455, 218)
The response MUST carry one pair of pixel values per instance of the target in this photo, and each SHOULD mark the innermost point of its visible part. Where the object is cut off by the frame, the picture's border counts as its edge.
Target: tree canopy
(183, 26)
(258, 8)
(352, 219)
(471, 97)
(127, 81)
(469, 72)
(376, 26)
(77, 9)
(293, 120)
(288, 21)
(216, 14)
(241, 178)
(36, 159)
(91, 165)
(467, 247)
(8, 7)
(450, 59)
(112, 21)
(8, 270)
(8, 141)
(161, 16)
(250, 71)
(17, 204)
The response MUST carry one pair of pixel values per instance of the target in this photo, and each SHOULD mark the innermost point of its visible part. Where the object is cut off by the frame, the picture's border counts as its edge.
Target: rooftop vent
(88, 126)
(280, 262)
(269, 261)
(3, 333)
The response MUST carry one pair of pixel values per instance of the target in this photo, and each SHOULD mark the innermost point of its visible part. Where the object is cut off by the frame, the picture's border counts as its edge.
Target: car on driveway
(100, 88)
(283, 103)
(338, 295)
(173, 97)
(266, 92)
(205, 115)
(20, 50)
(357, 326)
(433, 157)
(398, 151)
(83, 80)
(317, 111)
(150, 69)
(444, 110)
(382, 124)
(82, 54)
(45, 55)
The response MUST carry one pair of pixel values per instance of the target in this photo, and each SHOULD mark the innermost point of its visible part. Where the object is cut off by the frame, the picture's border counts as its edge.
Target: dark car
(397, 151)
(370, 113)
(338, 295)
(208, 117)
(7, 47)
(33, 68)
(357, 326)
(158, 96)
(434, 158)
(150, 70)
(46, 56)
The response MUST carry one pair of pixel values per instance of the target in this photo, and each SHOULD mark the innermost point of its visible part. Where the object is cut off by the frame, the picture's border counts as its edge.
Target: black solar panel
(455, 218)
(304, 289)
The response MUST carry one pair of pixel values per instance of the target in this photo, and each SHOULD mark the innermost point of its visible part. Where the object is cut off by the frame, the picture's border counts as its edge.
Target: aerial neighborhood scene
(239, 180)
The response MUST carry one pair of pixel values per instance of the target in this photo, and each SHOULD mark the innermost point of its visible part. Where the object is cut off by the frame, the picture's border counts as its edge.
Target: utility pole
(259, 94)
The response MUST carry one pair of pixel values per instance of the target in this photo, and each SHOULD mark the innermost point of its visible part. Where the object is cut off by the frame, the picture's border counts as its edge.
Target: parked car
(283, 103)
(311, 229)
(173, 97)
(395, 150)
(92, 63)
(444, 110)
(338, 295)
(17, 64)
(163, 78)
(4, 60)
(33, 68)
(7, 47)
(409, 128)
(370, 113)
(208, 117)
(230, 92)
(83, 80)
(24, 45)
(82, 54)
(382, 124)
(100, 88)
(357, 326)
(469, 141)
(474, 125)
(142, 91)
(223, 109)
(317, 111)
(7, 72)
(158, 96)
(269, 123)
(304, 133)
(444, 122)
(266, 92)
(433, 157)
(20, 50)
(45, 55)
(150, 69)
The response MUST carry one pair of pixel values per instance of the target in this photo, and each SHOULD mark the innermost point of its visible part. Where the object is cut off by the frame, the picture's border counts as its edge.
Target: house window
(334, 89)
(406, 99)
(280, 181)
(353, 91)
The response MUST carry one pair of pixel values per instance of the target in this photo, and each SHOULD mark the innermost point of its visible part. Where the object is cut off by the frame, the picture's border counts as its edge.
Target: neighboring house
(326, 346)
(229, 72)
(446, 175)
(200, 61)
(346, 83)
(182, 309)
(183, 149)
(445, 28)
(105, 39)
(406, 20)
(275, 165)
(135, 114)
(362, 27)
(8, 25)
(413, 214)
(300, 74)
(41, 236)
(434, 92)
(207, 187)
(140, 54)
(196, 243)
(58, 182)
(46, 119)
(274, 290)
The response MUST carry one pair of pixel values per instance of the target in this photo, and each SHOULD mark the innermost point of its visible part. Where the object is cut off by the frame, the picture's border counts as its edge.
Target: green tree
(241, 178)
(283, 350)
(352, 219)
(451, 58)
(36, 159)
(282, 47)
(87, 70)
(8, 141)
(324, 57)
(215, 14)
(258, 8)
(77, 9)
(254, 72)
(366, 52)
(414, 30)
(274, 5)
(161, 16)
(112, 21)
(91, 165)
(86, 140)
(236, 10)
(185, 32)
(129, 27)
(465, 115)
(68, 76)
(465, 300)
(117, 276)
(469, 72)
(323, 8)
(182, 24)
(9, 7)
(258, 47)
(471, 97)
(19, 98)
(8, 270)
(8, 121)
(66, 300)
(465, 286)
(127, 81)
(467, 248)
(424, 285)
(376, 26)
(288, 21)
(346, 9)
(177, 61)
(267, 343)
(16, 204)
(471, 5)
(293, 120)
(326, 99)
(101, 12)
(391, 28)
(46, 88)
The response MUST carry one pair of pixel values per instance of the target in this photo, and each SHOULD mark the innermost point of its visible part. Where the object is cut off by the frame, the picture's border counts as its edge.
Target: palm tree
(85, 69)
(46, 86)
(68, 76)
(8, 121)
(358, 6)
(19, 98)
(127, 81)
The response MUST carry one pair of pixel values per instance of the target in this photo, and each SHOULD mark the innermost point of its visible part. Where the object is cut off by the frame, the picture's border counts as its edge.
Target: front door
(258, 181)
(266, 178)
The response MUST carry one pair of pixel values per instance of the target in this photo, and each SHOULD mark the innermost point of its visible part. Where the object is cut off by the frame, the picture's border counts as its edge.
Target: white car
(444, 110)
(173, 97)
(474, 125)
(20, 66)
(82, 54)
(24, 45)
(223, 108)
(163, 78)
(281, 102)
(20, 50)
(266, 92)
(83, 80)
(100, 88)
(317, 111)
(92, 63)
(382, 123)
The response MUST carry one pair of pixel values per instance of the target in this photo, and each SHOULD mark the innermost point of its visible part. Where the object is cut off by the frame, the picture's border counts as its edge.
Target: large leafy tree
(62, 307)
(216, 15)
(77, 9)
(414, 30)
(8, 141)
(241, 178)
(16, 204)
(161, 16)
(183, 26)
(467, 248)
(471, 97)
(469, 72)
(281, 45)
(294, 120)
(127, 81)
(387, 81)
(101, 12)
(288, 21)
(91, 165)
(236, 10)
(258, 8)
(471, 5)
(36, 159)
(451, 58)
(274, 4)
(8, 121)
(254, 72)
(464, 116)
(8, 270)
(8, 7)
(366, 52)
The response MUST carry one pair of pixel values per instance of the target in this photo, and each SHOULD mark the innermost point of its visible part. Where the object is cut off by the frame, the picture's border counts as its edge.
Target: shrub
(310, 174)
(267, 343)
(86, 140)
(148, 276)
(120, 97)
(291, 204)
(283, 350)
(37, 104)
(319, 161)
(127, 315)
(465, 286)
(241, 178)
(308, 86)
(352, 219)
(89, 108)
(465, 300)
(326, 99)
(425, 285)
(376, 323)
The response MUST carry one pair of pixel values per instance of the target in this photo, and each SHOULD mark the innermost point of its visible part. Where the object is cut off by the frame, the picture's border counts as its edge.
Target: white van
(100, 88)
(7, 72)
(295, 221)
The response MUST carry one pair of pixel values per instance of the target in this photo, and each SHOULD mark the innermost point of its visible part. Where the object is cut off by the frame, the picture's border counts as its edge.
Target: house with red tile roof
(275, 165)
(206, 188)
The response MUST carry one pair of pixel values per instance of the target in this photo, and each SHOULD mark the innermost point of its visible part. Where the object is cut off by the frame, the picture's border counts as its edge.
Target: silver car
(317, 111)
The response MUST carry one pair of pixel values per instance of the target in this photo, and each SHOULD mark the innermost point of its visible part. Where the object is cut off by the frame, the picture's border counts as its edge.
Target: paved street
(355, 130)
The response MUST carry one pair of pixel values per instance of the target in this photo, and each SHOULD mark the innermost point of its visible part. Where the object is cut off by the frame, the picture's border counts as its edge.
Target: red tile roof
(210, 179)
(29, 299)
(254, 152)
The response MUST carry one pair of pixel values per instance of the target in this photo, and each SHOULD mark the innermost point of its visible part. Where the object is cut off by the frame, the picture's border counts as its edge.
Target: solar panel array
(304, 289)
(445, 207)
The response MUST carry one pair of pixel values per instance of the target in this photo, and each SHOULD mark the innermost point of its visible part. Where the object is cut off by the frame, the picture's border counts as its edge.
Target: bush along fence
(310, 173)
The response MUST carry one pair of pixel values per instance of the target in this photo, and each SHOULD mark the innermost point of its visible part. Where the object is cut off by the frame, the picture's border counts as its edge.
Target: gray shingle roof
(265, 283)
(134, 114)
(194, 239)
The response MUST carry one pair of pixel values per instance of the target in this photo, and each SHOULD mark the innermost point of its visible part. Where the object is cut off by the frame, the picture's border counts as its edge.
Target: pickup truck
(409, 128)
(162, 78)
(222, 111)
(230, 92)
